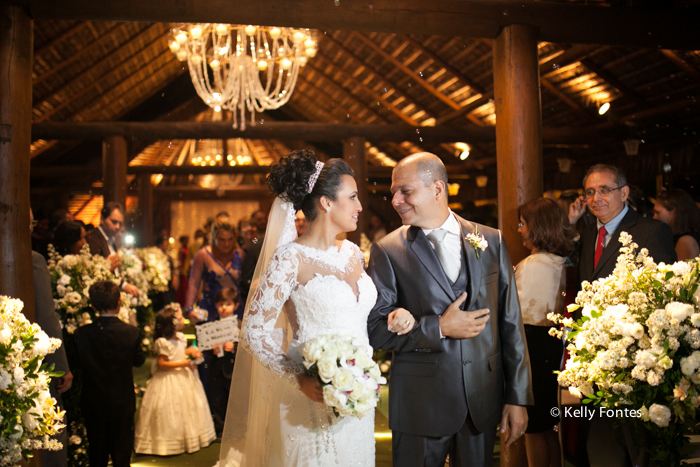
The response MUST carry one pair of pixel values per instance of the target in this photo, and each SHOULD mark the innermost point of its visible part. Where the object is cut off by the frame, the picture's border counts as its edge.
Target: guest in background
(222, 358)
(678, 209)
(174, 417)
(40, 233)
(377, 228)
(638, 201)
(161, 299)
(215, 267)
(69, 238)
(247, 232)
(107, 350)
(259, 219)
(184, 269)
(46, 318)
(541, 281)
(301, 223)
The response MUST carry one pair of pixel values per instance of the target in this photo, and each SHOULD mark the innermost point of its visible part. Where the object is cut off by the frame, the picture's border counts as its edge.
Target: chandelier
(252, 67)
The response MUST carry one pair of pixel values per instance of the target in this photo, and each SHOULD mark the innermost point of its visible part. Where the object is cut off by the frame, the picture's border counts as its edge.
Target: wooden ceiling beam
(613, 81)
(158, 130)
(680, 62)
(559, 94)
(415, 76)
(85, 89)
(74, 29)
(80, 54)
(559, 22)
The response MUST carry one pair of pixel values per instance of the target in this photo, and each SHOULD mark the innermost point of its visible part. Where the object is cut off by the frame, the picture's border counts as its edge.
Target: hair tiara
(314, 177)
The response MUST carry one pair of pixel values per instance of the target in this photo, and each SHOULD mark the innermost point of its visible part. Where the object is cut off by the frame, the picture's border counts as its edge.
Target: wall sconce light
(604, 108)
(482, 180)
(564, 164)
(631, 146)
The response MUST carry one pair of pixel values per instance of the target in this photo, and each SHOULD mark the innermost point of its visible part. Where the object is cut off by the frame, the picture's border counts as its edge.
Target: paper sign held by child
(216, 332)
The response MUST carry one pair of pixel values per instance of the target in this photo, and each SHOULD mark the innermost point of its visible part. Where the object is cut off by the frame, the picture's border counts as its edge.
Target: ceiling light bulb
(298, 37)
(303, 60)
(215, 64)
(181, 55)
(311, 52)
(262, 65)
(604, 108)
(275, 33)
(181, 37)
(221, 29)
(286, 64)
(309, 43)
(196, 32)
(250, 30)
(174, 46)
(217, 108)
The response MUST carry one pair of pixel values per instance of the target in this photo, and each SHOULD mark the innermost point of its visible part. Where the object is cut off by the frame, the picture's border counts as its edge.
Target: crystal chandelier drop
(252, 67)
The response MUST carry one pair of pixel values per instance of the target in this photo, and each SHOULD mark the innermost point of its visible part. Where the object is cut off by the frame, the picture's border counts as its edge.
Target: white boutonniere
(478, 241)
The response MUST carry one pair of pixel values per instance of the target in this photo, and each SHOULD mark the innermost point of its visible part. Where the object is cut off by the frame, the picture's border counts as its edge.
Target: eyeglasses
(602, 191)
(520, 224)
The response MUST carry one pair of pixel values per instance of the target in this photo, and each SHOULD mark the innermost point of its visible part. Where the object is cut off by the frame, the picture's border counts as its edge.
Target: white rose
(330, 351)
(587, 310)
(61, 290)
(312, 351)
(64, 280)
(75, 440)
(375, 372)
(29, 421)
(18, 375)
(343, 380)
(327, 369)
(5, 380)
(660, 414)
(333, 397)
(5, 336)
(362, 360)
(616, 311)
(680, 268)
(41, 347)
(358, 389)
(636, 330)
(679, 311)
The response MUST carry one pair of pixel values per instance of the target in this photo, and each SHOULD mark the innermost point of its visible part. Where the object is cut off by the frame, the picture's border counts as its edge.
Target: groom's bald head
(427, 165)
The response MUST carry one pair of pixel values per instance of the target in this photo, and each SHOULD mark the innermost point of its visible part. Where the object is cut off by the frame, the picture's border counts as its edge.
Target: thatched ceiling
(106, 71)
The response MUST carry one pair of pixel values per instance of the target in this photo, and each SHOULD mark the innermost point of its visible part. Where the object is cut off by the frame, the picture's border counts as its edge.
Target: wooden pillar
(518, 128)
(355, 154)
(146, 208)
(16, 47)
(114, 161)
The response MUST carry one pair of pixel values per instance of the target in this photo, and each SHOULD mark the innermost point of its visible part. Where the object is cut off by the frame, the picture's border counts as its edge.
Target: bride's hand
(401, 321)
(310, 386)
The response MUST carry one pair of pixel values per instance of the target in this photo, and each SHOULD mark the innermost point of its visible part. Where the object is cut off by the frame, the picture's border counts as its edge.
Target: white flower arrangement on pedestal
(71, 278)
(132, 272)
(156, 268)
(349, 377)
(28, 414)
(637, 345)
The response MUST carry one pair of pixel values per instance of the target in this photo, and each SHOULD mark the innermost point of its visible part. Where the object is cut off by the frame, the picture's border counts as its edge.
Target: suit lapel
(420, 245)
(613, 247)
(473, 262)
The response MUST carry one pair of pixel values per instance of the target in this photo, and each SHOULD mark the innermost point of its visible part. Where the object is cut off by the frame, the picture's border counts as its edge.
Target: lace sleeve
(357, 253)
(259, 335)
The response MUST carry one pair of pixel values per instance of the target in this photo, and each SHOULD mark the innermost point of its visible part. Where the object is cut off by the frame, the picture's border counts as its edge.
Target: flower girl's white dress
(174, 415)
(323, 292)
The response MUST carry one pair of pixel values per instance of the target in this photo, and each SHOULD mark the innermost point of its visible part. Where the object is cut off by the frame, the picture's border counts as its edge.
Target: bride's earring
(328, 210)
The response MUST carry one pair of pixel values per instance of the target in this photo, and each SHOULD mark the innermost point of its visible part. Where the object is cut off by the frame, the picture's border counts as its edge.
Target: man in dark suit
(48, 320)
(107, 350)
(101, 240)
(457, 374)
(605, 194)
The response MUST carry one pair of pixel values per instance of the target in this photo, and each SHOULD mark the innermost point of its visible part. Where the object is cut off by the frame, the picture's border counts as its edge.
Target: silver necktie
(449, 265)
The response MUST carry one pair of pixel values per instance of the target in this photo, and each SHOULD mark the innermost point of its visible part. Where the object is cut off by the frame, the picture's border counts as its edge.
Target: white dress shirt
(452, 240)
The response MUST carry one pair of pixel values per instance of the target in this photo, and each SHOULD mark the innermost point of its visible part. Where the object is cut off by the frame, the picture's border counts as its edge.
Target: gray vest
(460, 285)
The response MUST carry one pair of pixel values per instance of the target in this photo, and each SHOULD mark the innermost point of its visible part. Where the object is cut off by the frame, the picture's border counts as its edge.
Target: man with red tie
(605, 193)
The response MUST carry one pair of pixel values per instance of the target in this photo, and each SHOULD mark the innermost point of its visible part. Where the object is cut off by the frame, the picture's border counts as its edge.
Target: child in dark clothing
(222, 360)
(107, 350)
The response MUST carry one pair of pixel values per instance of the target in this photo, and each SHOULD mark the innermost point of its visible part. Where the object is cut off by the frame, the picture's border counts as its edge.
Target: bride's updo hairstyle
(289, 179)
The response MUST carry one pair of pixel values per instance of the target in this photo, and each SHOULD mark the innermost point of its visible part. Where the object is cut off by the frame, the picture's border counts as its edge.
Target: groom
(457, 374)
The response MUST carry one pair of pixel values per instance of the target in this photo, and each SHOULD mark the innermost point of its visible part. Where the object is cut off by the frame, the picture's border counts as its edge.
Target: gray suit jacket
(46, 311)
(436, 382)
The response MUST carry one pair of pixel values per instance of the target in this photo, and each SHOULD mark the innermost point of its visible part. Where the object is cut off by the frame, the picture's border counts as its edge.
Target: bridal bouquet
(636, 346)
(156, 268)
(28, 415)
(349, 377)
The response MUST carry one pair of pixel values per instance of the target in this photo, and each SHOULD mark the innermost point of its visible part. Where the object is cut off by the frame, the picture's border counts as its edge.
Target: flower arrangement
(636, 345)
(478, 241)
(156, 268)
(132, 271)
(194, 355)
(349, 377)
(28, 415)
(71, 278)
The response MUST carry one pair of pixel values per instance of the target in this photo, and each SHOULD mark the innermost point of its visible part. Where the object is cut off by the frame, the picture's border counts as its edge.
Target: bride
(302, 288)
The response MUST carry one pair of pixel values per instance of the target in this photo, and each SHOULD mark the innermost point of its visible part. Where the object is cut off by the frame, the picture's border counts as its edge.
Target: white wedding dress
(317, 292)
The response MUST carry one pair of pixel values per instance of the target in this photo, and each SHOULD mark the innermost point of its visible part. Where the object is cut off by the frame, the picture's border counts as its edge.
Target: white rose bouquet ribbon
(349, 377)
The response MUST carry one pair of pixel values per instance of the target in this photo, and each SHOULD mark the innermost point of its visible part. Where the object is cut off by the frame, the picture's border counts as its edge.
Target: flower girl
(174, 416)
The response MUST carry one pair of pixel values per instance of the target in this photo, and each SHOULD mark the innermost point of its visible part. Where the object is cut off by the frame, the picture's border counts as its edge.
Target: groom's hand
(459, 324)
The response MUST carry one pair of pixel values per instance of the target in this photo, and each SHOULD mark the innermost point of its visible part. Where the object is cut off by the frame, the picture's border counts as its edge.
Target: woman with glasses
(541, 281)
(678, 209)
